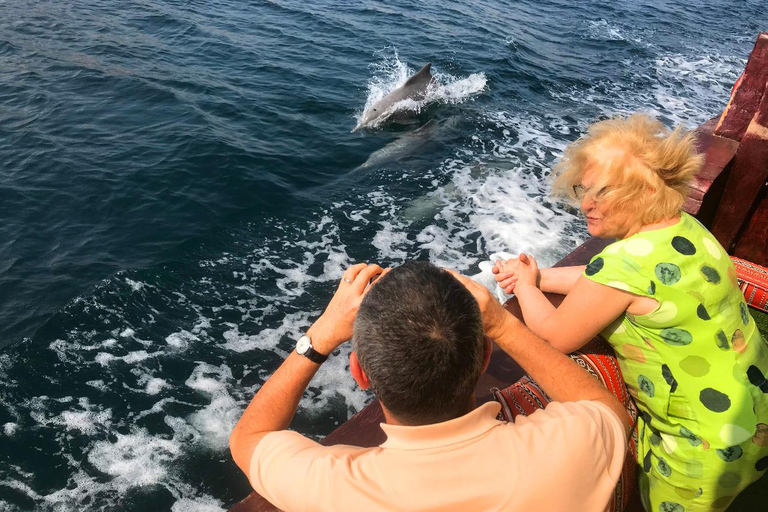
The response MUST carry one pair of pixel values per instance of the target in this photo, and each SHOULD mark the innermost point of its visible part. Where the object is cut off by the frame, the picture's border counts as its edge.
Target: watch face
(302, 345)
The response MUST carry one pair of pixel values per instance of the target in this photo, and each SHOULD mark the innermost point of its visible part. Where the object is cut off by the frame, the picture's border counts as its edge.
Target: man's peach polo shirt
(567, 457)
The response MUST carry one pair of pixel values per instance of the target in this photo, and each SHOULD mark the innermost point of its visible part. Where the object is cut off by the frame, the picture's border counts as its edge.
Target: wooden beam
(746, 180)
(705, 192)
(747, 93)
(753, 243)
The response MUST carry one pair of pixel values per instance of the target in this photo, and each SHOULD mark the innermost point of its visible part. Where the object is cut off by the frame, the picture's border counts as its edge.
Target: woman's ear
(357, 371)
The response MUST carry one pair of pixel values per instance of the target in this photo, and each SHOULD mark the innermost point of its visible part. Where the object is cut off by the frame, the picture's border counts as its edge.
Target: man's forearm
(561, 378)
(272, 408)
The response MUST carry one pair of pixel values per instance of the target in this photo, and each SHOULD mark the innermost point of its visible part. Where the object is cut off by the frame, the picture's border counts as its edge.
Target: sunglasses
(580, 191)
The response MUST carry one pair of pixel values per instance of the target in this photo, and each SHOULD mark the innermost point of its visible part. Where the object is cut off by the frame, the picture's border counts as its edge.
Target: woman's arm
(585, 311)
(560, 279)
(553, 280)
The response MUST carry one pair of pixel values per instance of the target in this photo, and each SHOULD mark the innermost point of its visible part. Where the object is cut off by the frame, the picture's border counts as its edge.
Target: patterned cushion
(753, 281)
(525, 396)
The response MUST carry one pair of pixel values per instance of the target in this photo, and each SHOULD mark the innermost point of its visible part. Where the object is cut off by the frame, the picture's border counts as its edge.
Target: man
(419, 345)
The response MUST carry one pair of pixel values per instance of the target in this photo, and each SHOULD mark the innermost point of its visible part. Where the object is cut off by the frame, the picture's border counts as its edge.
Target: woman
(665, 296)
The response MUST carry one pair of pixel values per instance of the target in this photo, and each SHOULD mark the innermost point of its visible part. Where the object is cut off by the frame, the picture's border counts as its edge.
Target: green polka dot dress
(696, 365)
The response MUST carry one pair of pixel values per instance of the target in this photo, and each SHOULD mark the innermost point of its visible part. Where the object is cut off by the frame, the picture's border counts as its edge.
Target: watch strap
(310, 352)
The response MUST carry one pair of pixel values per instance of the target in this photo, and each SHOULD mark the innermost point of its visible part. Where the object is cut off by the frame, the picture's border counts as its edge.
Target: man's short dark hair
(419, 338)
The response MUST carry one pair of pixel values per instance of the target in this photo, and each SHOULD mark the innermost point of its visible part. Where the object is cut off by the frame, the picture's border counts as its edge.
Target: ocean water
(180, 192)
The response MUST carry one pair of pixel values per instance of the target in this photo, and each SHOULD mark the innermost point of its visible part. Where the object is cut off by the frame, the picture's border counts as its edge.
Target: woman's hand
(504, 274)
(527, 271)
(334, 326)
(516, 271)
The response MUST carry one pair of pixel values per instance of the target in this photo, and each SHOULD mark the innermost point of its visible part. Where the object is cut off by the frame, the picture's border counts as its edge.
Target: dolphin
(431, 133)
(415, 88)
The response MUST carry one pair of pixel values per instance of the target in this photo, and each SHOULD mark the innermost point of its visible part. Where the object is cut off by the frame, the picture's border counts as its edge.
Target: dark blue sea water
(180, 191)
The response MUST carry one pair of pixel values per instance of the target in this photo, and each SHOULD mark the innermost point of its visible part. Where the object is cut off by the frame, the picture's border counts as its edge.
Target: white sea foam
(135, 459)
(268, 339)
(604, 31)
(181, 340)
(202, 504)
(215, 421)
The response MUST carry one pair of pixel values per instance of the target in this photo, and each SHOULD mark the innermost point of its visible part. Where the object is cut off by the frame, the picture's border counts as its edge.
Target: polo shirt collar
(457, 430)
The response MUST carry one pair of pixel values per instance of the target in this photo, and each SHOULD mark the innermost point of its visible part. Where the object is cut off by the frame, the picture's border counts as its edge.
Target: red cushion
(525, 396)
(753, 281)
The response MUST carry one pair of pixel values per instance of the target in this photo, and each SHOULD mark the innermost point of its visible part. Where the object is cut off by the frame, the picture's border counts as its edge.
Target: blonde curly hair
(630, 157)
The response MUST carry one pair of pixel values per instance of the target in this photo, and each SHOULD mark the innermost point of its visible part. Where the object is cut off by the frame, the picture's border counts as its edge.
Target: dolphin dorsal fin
(422, 75)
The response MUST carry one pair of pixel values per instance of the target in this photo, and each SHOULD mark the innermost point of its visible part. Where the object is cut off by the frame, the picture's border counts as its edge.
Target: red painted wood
(705, 192)
(746, 180)
(747, 93)
(753, 244)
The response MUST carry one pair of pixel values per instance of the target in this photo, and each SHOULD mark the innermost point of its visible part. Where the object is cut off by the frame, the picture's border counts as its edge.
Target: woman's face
(600, 221)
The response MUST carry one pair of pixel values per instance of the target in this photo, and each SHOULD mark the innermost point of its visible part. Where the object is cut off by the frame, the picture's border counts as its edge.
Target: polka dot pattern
(664, 314)
(638, 247)
(669, 442)
(675, 336)
(732, 434)
(713, 248)
(730, 454)
(761, 435)
(667, 374)
(595, 266)
(714, 400)
(663, 467)
(744, 313)
(729, 479)
(646, 386)
(738, 342)
(722, 340)
(695, 366)
(634, 353)
(757, 379)
(619, 285)
(671, 506)
(690, 436)
(711, 275)
(683, 246)
(705, 336)
(668, 273)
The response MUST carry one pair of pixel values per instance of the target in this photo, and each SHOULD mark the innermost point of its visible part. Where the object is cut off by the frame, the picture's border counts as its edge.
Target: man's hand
(334, 326)
(275, 403)
(496, 319)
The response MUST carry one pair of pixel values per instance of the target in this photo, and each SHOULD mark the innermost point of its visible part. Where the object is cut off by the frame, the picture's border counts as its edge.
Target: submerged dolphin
(414, 89)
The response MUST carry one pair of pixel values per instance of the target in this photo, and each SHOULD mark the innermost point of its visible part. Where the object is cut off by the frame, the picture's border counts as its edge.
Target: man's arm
(274, 405)
(561, 378)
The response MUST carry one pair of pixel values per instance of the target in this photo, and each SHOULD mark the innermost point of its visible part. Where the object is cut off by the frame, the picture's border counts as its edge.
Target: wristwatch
(304, 348)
